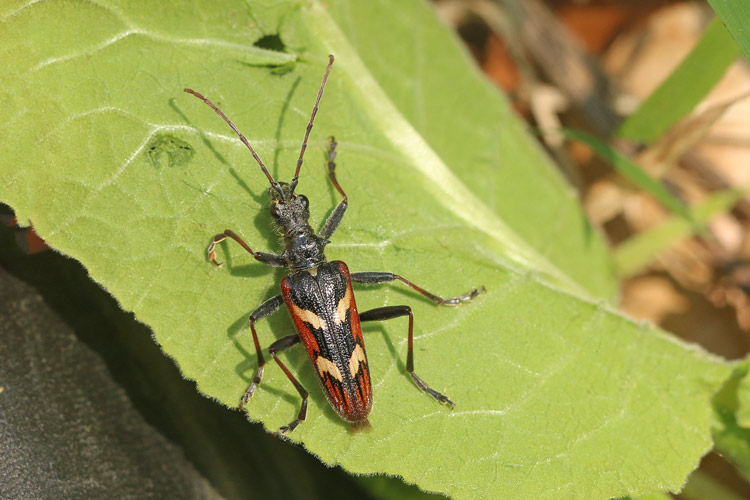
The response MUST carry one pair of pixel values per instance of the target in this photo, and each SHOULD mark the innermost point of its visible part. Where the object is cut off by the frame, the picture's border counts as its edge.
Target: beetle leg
(266, 258)
(371, 278)
(383, 313)
(278, 346)
(267, 308)
(334, 219)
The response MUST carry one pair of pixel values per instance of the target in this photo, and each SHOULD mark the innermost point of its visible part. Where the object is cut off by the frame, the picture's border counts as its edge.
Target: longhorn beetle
(319, 296)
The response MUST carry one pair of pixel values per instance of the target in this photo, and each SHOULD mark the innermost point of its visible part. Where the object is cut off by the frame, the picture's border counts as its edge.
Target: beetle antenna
(310, 125)
(244, 140)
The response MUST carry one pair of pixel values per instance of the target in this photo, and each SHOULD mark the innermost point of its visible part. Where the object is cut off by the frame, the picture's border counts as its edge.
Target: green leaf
(743, 400)
(736, 15)
(685, 87)
(635, 253)
(558, 396)
(730, 428)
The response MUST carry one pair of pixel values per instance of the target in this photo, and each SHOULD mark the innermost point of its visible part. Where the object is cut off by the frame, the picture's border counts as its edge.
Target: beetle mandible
(319, 296)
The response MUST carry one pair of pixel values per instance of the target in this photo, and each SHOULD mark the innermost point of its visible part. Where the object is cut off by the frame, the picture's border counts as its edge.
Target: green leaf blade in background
(634, 173)
(634, 254)
(557, 395)
(685, 87)
(735, 14)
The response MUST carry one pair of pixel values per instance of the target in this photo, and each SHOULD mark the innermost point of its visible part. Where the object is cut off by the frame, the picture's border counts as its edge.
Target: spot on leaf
(165, 150)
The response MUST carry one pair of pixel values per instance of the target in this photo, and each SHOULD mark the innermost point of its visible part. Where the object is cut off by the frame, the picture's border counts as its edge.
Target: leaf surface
(731, 426)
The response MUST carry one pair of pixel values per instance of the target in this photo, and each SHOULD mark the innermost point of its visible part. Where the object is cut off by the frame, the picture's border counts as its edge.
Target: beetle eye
(274, 213)
(304, 200)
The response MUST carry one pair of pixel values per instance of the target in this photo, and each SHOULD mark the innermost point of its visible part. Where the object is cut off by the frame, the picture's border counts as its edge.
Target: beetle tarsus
(212, 249)
(432, 392)
(245, 399)
(455, 301)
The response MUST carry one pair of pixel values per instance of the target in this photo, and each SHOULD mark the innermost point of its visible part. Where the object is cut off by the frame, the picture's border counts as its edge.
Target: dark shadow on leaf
(257, 197)
(271, 42)
(280, 69)
(250, 271)
(371, 327)
(333, 195)
(401, 289)
(282, 114)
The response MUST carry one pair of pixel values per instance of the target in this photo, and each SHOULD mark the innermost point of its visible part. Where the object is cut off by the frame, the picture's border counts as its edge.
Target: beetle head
(288, 210)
